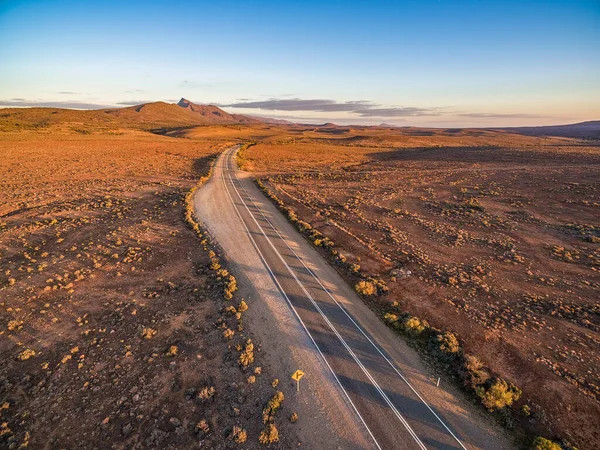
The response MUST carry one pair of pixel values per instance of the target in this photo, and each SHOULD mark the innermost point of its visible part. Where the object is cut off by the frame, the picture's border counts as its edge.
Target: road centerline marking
(328, 322)
(354, 322)
(298, 316)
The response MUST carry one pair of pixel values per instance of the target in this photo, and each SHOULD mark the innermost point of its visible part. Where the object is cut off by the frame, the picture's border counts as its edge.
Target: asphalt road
(364, 387)
(394, 414)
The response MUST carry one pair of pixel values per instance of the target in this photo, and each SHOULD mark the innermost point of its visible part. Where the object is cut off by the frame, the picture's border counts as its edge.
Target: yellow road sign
(297, 375)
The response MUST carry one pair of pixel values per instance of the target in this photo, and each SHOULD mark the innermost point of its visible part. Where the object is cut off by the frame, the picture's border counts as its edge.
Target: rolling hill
(581, 130)
(154, 115)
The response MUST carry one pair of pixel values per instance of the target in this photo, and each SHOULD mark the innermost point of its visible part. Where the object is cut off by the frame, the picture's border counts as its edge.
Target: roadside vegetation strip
(231, 321)
(442, 348)
(241, 160)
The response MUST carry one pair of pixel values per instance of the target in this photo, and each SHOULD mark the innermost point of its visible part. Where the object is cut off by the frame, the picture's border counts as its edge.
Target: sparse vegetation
(97, 261)
(485, 240)
(463, 243)
(241, 158)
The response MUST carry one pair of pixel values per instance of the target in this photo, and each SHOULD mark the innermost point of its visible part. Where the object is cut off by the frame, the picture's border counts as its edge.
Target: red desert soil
(113, 331)
(501, 235)
(112, 318)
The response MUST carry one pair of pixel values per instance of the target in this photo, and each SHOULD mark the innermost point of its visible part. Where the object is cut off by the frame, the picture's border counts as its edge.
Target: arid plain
(498, 231)
(107, 297)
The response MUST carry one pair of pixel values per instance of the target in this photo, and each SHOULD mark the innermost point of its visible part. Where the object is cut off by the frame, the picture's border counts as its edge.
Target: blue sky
(428, 62)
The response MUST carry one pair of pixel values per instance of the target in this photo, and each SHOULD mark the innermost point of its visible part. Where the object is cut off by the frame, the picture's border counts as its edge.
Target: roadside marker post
(296, 376)
(438, 382)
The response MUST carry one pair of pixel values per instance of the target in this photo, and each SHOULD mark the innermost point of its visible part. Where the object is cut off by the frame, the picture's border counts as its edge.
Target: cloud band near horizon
(361, 108)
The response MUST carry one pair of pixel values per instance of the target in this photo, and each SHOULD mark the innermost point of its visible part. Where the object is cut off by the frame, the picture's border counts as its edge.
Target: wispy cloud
(52, 104)
(503, 116)
(134, 91)
(398, 112)
(133, 102)
(361, 108)
(68, 93)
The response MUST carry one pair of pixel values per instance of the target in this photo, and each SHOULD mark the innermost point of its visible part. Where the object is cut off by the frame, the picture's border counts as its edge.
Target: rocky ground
(114, 329)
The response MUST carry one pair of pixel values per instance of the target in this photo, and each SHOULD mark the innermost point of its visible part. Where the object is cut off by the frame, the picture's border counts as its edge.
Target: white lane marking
(297, 315)
(352, 320)
(339, 336)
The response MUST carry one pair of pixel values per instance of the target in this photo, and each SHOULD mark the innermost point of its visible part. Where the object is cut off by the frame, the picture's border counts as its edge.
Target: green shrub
(498, 394)
(414, 326)
(406, 323)
(447, 344)
(391, 319)
(541, 443)
(475, 373)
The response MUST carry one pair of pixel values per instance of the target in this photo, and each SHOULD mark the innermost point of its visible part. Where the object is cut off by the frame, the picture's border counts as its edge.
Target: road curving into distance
(391, 397)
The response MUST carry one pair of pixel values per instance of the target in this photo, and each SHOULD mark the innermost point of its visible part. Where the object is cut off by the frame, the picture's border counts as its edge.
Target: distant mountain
(214, 114)
(147, 116)
(581, 130)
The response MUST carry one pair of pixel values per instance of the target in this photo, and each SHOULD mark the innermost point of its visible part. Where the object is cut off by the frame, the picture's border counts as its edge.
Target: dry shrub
(228, 334)
(173, 350)
(26, 354)
(15, 325)
(202, 427)
(207, 393)
(247, 356)
(238, 435)
(242, 307)
(447, 344)
(366, 288)
(269, 435)
(230, 287)
(272, 406)
(148, 333)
